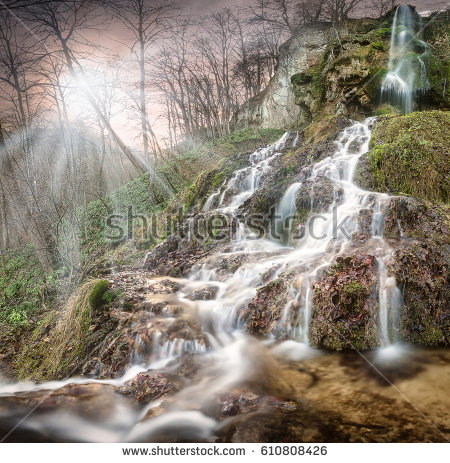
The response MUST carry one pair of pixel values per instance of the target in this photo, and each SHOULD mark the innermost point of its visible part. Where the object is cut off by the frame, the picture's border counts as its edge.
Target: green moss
(384, 32)
(409, 154)
(438, 76)
(97, 293)
(385, 110)
(354, 288)
(419, 326)
(378, 46)
(301, 78)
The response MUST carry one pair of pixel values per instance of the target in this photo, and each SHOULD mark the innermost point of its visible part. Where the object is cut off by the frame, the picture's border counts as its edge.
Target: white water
(244, 182)
(407, 73)
(232, 352)
(284, 214)
(209, 202)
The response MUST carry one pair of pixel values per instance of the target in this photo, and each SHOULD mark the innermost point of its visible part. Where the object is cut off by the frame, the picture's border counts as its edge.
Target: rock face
(346, 305)
(275, 106)
(420, 265)
(321, 73)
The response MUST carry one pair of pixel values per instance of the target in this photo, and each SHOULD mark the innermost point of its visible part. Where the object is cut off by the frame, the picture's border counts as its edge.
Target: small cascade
(377, 221)
(389, 305)
(176, 347)
(407, 73)
(190, 228)
(323, 238)
(164, 350)
(140, 349)
(244, 182)
(295, 142)
(284, 214)
(210, 201)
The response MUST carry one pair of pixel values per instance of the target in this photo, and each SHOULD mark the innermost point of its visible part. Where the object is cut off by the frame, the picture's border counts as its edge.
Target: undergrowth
(60, 338)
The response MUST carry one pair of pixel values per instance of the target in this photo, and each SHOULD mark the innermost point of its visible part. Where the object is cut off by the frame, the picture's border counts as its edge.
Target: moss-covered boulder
(420, 231)
(409, 154)
(437, 35)
(345, 305)
(421, 270)
(405, 216)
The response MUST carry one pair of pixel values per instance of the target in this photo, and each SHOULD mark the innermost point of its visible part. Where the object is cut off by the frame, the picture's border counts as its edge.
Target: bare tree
(147, 21)
(276, 12)
(338, 11)
(64, 24)
(380, 7)
(291, 14)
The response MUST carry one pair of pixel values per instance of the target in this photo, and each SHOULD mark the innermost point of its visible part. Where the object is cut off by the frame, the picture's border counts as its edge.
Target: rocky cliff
(324, 72)
(276, 105)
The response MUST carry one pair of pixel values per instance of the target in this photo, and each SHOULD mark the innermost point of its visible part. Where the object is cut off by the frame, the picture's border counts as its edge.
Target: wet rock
(414, 218)
(421, 271)
(93, 401)
(316, 195)
(232, 263)
(231, 408)
(345, 306)
(43, 415)
(204, 294)
(280, 421)
(262, 314)
(363, 176)
(151, 385)
(365, 222)
(170, 244)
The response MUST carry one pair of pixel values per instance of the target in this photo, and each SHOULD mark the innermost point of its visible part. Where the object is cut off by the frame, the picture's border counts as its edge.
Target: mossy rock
(386, 110)
(421, 270)
(410, 155)
(302, 78)
(345, 305)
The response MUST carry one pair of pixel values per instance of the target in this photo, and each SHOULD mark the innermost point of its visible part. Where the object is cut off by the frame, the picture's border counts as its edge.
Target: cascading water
(284, 214)
(230, 350)
(245, 181)
(407, 71)
(389, 301)
(210, 201)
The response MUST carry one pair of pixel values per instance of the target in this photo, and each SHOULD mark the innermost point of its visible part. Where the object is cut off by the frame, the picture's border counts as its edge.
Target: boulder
(345, 305)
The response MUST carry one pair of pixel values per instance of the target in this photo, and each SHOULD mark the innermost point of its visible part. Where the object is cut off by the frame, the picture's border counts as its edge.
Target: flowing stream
(232, 357)
(229, 349)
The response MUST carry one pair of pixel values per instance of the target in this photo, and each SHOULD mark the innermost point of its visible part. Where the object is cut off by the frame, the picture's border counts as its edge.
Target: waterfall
(284, 214)
(315, 254)
(232, 356)
(209, 202)
(407, 71)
